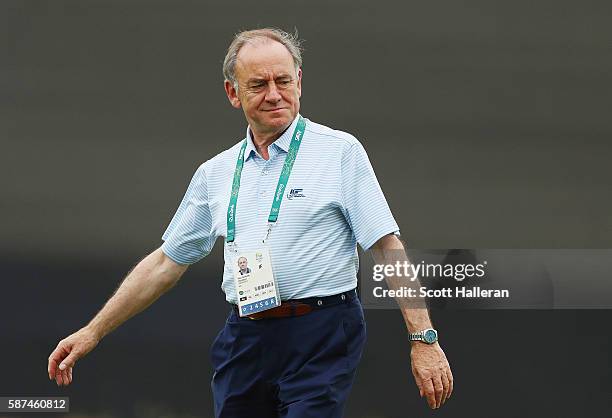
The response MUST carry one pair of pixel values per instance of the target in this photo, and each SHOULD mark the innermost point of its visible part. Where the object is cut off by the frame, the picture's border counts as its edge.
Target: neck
(262, 140)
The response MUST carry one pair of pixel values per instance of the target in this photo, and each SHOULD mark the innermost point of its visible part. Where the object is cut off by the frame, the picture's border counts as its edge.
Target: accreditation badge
(256, 288)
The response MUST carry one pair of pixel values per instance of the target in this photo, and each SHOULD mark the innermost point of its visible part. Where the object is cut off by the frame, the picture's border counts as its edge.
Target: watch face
(430, 336)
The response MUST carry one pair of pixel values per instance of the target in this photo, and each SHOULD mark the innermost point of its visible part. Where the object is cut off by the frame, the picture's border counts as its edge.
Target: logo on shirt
(295, 193)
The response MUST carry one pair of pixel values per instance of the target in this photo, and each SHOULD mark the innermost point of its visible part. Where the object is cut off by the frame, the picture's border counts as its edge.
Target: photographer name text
(446, 292)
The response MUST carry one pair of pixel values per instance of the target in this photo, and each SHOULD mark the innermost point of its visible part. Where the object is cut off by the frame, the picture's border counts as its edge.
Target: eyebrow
(258, 79)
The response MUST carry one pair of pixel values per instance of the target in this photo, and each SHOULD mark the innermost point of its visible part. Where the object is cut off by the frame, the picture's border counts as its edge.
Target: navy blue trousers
(296, 367)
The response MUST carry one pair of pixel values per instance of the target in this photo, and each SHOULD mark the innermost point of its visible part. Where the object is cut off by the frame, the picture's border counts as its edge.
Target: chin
(280, 120)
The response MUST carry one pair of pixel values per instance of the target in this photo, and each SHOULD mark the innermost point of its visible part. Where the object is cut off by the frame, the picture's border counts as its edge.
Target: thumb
(69, 361)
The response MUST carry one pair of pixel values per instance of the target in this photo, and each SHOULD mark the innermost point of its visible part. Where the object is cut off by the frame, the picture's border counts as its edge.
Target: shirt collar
(283, 142)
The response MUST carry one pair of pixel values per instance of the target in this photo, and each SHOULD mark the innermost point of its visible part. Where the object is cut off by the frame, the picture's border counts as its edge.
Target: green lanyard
(280, 187)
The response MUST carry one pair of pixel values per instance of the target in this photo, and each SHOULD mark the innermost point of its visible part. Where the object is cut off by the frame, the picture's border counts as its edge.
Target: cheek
(254, 102)
(291, 96)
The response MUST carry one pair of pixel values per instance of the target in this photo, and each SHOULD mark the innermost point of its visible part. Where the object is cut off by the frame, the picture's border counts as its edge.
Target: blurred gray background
(487, 123)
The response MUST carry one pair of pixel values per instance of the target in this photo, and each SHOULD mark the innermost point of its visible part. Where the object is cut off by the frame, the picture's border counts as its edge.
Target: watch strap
(416, 336)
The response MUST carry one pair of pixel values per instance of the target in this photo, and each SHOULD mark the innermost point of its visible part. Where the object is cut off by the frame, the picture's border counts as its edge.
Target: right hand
(67, 352)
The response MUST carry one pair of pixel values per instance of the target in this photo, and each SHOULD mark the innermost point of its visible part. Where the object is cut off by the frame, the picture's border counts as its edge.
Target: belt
(299, 307)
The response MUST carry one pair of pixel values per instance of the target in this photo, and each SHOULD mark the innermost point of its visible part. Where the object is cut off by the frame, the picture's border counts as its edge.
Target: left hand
(432, 373)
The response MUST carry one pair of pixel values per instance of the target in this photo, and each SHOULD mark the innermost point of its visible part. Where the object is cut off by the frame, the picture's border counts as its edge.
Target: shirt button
(266, 171)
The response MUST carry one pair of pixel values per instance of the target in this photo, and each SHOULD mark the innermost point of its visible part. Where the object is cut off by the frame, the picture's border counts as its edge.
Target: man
(297, 359)
(243, 266)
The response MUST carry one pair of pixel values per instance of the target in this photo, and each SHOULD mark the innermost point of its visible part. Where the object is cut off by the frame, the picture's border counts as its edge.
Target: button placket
(262, 189)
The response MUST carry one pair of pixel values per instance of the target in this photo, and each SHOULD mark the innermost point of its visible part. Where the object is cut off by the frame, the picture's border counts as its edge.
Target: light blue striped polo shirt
(332, 202)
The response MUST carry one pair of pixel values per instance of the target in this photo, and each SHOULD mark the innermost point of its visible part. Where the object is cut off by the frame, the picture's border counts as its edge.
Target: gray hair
(290, 41)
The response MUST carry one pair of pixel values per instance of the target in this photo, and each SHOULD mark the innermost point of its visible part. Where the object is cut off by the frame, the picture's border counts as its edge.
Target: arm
(151, 278)
(429, 364)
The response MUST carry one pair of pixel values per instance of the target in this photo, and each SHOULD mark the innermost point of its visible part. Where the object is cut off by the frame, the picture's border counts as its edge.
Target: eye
(257, 86)
(284, 82)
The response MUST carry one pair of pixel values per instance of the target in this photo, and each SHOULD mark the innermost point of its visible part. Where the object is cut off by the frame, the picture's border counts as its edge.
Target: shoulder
(334, 142)
(331, 135)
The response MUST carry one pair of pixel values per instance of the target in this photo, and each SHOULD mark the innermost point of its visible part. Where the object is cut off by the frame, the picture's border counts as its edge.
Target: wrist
(94, 331)
(421, 344)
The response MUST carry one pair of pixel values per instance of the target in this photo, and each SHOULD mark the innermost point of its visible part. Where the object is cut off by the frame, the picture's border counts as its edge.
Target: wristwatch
(428, 336)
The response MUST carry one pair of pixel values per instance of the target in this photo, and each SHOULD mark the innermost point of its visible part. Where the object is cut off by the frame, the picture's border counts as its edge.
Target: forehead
(263, 58)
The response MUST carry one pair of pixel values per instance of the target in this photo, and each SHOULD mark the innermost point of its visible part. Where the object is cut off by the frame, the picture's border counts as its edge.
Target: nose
(272, 94)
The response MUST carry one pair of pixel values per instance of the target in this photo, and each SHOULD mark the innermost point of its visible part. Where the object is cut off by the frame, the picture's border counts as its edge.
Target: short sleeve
(364, 203)
(189, 236)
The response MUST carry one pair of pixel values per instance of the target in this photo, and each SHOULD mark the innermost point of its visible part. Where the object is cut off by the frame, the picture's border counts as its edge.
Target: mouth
(274, 110)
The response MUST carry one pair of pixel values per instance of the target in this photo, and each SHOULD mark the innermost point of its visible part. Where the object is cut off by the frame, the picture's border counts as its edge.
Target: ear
(299, 82)
(232, 94)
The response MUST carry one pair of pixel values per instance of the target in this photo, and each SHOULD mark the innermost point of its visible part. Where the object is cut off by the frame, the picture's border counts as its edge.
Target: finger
(65, 380)
(70, 375)
(51, 367)
(430, 395)
(445, 386)
(60, 378)
(438, 390)
(60, 352)
(69, 361)
(449, 374)
(54, 359)
(419, 385)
